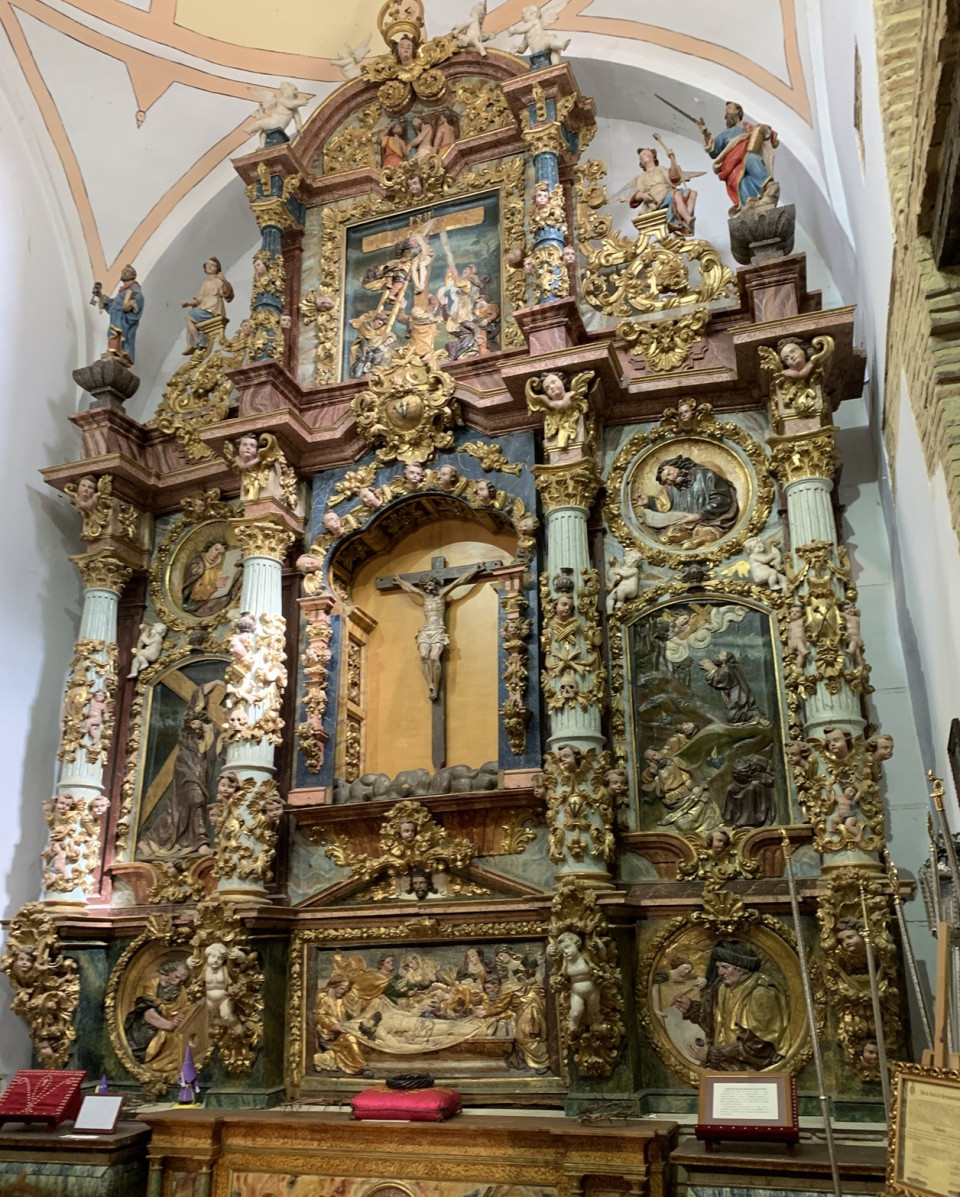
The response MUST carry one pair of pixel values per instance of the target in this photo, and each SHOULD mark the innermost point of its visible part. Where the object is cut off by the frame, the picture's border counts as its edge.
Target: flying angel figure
(276, 107)
(470, 33)
(349, 60)
(533, 30)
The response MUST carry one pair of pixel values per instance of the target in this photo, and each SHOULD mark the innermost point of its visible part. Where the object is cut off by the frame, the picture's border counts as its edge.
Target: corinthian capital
(806, 455)
(570, 484)
(102, 571)
(264, 538)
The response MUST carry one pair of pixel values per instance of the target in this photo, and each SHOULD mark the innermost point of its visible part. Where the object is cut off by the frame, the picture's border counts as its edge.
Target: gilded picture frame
(482, 1060)
(923, 1142)
(506, 178)
(725, 448)
(136, 978)
(687, 946)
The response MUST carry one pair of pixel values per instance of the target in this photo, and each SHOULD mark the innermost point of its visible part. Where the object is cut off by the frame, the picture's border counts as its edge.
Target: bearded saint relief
(695, 506)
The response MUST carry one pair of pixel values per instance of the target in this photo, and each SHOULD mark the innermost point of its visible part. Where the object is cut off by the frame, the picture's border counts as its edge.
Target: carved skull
(568, 689)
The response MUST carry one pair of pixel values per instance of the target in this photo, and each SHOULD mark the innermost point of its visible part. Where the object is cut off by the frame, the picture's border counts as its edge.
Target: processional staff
(811, 1014)
(875, 999)
(918, 993)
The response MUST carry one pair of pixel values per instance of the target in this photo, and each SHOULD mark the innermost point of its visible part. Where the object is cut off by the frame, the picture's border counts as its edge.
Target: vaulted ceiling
(138, 105)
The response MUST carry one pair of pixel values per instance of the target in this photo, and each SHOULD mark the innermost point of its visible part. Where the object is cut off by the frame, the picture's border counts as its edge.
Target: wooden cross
(430, 588)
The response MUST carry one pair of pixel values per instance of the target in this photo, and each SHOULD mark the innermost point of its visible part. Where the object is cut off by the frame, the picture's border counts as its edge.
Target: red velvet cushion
(415, 1105)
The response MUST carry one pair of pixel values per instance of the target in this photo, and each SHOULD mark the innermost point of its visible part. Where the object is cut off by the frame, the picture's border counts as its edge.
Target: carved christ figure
(432, 638)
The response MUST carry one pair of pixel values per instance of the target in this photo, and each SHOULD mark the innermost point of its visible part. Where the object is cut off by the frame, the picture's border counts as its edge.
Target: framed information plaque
(748, 1105)
(924, 1132)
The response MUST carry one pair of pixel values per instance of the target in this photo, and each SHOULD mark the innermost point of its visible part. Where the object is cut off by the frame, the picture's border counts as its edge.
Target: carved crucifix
(430, 588)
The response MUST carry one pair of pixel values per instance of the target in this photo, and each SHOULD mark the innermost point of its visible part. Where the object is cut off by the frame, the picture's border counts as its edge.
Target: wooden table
(59, 1162)
(757, 1166)
(306, 1154)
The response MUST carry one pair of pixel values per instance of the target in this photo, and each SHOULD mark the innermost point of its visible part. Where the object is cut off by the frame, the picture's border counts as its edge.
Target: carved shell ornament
(408, 411)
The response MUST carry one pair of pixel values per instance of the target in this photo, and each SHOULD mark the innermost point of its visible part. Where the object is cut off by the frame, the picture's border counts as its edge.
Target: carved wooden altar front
(297, 1153)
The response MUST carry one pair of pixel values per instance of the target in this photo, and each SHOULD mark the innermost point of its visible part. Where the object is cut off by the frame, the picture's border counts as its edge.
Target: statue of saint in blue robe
(124, 309)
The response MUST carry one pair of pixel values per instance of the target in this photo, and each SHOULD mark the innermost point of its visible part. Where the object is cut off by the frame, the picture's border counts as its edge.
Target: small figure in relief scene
(665, 187)
(393, 145)
(276, 108)
(697, 507)
(154, 1028)
(350, 59)
(445, 134)
(750, 798)
(845, 809)
(533, 30)
(148, 647)
(851, 626)
(203, 590)
(98, 711)
(124, 309)
(470, 34)
(678, 979)
(584, 994)
(797, 637)
(743, 158)
(766, 564)
(742, 1012)
(421, 146)
(724, 674)
(209, 303)
(623, 580)
(180, 828)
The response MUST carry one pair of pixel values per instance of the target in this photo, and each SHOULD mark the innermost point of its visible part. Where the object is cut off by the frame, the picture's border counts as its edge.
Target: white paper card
(98, 1115)
(754, 1102)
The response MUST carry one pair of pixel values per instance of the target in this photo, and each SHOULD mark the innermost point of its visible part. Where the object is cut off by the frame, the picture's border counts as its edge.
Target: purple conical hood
(188, 1073)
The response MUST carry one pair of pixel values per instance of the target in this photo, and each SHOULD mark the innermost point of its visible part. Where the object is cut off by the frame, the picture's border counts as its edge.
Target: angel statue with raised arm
(350, 58)
(276, 107)
(664, 187)
(470, 32)
(534, 30)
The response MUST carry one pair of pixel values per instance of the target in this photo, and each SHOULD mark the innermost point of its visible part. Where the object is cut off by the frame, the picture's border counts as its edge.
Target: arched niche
(383, 692)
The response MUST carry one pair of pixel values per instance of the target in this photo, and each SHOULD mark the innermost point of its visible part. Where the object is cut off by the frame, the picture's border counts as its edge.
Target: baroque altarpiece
(466, 641)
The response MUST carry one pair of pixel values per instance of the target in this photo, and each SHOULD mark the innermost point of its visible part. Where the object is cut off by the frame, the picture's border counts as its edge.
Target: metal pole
(912, 969)
(875, 998)
(811, 1014)
(936, 795)
(935, 877)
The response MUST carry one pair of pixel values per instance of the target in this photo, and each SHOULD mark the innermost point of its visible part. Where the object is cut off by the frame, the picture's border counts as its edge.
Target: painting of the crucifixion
(428, 278)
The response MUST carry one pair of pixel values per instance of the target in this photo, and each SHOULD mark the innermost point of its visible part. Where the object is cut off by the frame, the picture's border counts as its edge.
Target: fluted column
(248, 805)
(276, 209)
(75, 813)
(805, 464)
(579, 809)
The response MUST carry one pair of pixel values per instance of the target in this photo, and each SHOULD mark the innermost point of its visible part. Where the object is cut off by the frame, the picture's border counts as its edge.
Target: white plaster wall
(40, 328)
